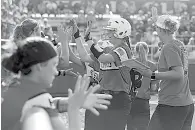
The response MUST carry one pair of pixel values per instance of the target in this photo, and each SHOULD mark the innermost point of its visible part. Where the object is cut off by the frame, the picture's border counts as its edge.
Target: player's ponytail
(141, 48)
(127, 40)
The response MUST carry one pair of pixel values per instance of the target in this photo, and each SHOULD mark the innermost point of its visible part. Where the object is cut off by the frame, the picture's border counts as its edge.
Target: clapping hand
(89, 27)
(74, 26)
(77, 99)
(87, 98)
(64, 33)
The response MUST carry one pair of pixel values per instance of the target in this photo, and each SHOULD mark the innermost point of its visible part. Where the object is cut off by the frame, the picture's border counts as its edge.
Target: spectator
(186, 37)
(91, 17)
(192, 24)
(183, 26)
(192, 42)
(148, 36)
(81, 19)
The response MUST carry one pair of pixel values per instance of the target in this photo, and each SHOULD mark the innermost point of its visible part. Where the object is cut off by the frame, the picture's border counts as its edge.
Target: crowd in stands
(142, 29)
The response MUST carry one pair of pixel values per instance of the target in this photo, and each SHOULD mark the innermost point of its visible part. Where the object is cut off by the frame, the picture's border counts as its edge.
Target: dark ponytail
(32, 51)
(127, 40)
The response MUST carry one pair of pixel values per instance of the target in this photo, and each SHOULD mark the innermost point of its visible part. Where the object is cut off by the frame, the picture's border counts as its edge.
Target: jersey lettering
(108, 66)
(92, 73)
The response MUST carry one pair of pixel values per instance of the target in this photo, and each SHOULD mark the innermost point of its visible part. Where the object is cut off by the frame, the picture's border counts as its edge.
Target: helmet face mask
(107, 34)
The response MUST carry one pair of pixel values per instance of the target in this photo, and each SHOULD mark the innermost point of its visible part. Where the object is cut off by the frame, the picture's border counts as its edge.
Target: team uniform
(175, 107)
(19, 99)
(92, 70)
(139, 116)
(113, 80)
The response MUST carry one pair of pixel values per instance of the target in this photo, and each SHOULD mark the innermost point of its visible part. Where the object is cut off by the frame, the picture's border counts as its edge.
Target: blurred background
(51, 13)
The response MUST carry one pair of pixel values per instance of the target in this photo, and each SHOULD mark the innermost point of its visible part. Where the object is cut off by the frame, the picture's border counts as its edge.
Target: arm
(64, 38)
(175, 73)
(117, 55)
(74, 119)
(83, 54)
(36, 119)
(174, 63)
(61, 104)
(75, 59)
(106, 58)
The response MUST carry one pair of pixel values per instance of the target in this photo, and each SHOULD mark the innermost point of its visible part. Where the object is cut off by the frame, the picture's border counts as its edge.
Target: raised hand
(87, 99)
(77, 99)
(96, 101)
(64, 33)
(89, 27)
(74, 26)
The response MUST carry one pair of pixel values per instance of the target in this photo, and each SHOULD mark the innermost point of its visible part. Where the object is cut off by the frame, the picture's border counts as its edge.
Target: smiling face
(108, 35)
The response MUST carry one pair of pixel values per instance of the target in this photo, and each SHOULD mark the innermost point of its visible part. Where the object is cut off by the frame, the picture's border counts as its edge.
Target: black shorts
(168, 117)
(139, 116)
(114, 118)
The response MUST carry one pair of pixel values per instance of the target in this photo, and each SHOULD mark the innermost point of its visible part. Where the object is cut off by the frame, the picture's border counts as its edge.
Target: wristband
(77, 34)
(153, 75)
(87, 37)
(61, 73)
(96, 51)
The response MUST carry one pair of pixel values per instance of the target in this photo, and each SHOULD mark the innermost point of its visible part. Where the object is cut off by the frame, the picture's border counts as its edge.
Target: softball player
(139, 116)
(175, 106)
(113, 78)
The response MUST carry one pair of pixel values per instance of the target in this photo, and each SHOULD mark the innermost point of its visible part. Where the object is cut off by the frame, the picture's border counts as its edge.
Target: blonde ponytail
(141, 49)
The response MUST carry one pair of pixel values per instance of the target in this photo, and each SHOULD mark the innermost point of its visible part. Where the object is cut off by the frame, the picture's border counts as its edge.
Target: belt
(111, 92)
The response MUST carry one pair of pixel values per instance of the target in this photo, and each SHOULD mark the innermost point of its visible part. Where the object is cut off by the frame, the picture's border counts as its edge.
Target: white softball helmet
(120, 26)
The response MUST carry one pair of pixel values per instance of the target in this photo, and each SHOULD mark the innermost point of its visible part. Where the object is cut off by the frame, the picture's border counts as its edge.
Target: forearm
(74, 119)
(75, 59)
(168, 75)
(65, 52)
(61, 104)
(83, 54)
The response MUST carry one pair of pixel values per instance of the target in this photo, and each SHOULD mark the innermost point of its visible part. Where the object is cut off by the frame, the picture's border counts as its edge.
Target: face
(37, 31)
(109, 35)
(49, 71)
(160, 33)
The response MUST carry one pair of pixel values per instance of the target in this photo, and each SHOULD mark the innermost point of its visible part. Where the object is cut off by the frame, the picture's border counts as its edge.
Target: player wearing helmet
(113, 78)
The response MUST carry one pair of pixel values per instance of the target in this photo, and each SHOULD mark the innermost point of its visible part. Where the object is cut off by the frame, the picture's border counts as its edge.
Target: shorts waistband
(111, 92)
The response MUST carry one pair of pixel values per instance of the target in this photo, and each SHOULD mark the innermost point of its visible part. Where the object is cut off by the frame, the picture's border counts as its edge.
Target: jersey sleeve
(153, 66)
(172, 57)
(120, 55)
